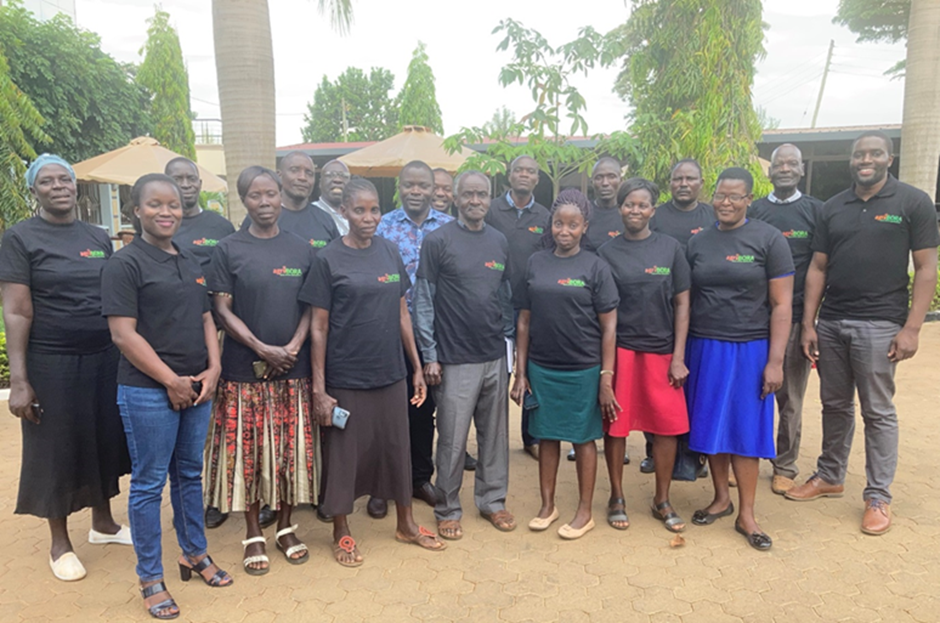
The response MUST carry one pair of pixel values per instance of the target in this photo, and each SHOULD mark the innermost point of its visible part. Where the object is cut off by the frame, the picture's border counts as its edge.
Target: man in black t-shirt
(298, 215)
(606, 222)
(200, 230)
(863, 240)
(795, 215)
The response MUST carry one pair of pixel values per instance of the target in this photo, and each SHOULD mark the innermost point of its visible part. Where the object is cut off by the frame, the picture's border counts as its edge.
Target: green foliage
(417, 101)
(4, 361)
(20, 129)
(369, 112)
(341, 13)
(90, 101)
(501, 124)
(163, 74)
(877, 20)
(687, 70)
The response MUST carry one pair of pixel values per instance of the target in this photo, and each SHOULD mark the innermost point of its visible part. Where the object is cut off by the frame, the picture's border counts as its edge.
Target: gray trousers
(476, 392)
(796, 369)
(853, 354)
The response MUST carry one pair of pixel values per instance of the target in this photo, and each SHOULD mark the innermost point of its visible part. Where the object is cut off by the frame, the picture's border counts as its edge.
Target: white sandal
(250, 560)
(121, 537)
(293, 549)
(68, 567)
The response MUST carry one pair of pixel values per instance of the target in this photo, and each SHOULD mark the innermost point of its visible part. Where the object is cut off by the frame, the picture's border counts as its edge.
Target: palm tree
(244, 61)
(920, 133)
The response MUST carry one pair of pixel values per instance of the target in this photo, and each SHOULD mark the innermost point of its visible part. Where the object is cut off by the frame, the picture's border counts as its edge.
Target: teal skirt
(568, 409)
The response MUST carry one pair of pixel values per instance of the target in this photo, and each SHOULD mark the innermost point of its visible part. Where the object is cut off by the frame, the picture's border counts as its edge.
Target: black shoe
(571, 455)
(323, 516)
(214, 517)
(427, 493)
(626, 458)
(469, 463)
(702, 471)
(266, 516)
(377, 508)
(647, 466)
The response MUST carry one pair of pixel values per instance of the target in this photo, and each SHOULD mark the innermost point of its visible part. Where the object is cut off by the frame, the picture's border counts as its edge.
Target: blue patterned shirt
(397, 227)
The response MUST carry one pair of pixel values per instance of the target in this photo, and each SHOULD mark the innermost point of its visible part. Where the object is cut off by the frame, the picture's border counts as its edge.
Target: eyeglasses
(335, 175)
(718, 198)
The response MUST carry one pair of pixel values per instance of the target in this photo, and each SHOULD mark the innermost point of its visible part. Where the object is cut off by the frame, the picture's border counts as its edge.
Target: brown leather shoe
(877, 518)
(782, 484)
(813, 489)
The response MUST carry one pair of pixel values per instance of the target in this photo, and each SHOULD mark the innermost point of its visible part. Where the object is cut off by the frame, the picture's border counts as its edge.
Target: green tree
(355, 107)
(417, 101)
(90, 101)
(163, 74)
(20, 129)
(501, 124)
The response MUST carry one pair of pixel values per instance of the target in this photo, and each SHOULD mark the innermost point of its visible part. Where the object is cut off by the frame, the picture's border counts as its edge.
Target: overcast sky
(466, 64)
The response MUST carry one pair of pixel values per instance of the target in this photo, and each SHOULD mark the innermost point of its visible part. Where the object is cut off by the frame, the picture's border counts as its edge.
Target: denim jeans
(162, 441)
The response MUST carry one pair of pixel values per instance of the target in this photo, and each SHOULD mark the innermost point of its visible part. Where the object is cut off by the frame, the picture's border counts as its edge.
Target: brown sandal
(502, 520)
(421, 540)
(347, 544)
(450, 529)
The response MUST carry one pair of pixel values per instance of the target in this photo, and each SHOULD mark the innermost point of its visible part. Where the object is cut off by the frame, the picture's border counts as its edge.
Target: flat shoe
(347, 544)
(620, 516)
(702, 518)
(569, 533)
(250, 560)
(502, 520)
(121, 537)
(757, 540)
(450, 525)
(669, 518)
(293, 549)
(421, 539)
(68, 567)
(537, 524)
(377, 508)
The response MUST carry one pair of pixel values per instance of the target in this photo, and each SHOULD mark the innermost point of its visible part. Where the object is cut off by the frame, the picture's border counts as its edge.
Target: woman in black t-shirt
(566, 341)
(264, 445)
(742, 285)
(154, 296)
(62, 366)
(360, 322)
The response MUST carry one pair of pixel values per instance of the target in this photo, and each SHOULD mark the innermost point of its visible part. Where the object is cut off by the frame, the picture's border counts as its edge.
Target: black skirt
(74, 457)
(372, 455)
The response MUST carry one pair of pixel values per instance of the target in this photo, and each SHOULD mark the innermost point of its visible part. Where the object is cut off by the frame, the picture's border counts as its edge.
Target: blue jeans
(162, 441)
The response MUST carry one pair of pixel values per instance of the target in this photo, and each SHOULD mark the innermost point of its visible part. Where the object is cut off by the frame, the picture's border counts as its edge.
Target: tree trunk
(920, 134)
(244, 61)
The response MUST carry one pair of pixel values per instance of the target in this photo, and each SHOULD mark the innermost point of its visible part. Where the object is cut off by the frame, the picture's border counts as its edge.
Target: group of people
(348, 337)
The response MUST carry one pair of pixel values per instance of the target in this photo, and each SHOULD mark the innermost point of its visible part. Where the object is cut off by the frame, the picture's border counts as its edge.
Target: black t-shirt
(467, 269)
(682, 225)
(868, 244)
(524, 234)
(797, 222)
(565, 295)
(362, 290)
(605, 225)
(264, 277)
(62, 265)
(730, 270)
(200, 234)
(649, 273)
(167, 295)
(311, 224)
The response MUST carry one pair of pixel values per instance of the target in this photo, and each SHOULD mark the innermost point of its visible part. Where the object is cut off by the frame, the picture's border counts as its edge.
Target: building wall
(47, 9)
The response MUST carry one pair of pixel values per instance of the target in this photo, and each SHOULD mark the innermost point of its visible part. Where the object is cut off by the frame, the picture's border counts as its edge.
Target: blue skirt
(568, 409)
(726, 413)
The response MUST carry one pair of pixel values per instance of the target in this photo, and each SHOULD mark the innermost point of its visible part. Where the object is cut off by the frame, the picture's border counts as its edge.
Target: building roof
(813, 135)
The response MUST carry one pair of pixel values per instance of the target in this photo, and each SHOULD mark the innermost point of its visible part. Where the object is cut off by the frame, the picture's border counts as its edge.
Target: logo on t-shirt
(99, 255)
(613, 234)
(284, 271)
(390, 278)
(896, 219)
(206, 242)
(494, 265)
(575, 283)
(737, 258)
(201, 281)
(659, 270)
(795, 233)
(319, 244)
(537, 230)
(696, 230)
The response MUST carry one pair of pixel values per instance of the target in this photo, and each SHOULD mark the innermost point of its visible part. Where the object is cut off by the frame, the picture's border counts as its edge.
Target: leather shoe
(427, 493)
(323, 516)
(469, 463)
(647, 466)
(813, 489)
(877, 518)
(214, 517)
(377, 508)
(781, 484)
(533, 451)
(266, 516)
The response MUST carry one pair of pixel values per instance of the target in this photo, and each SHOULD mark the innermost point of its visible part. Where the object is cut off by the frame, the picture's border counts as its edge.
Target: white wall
(47, 9)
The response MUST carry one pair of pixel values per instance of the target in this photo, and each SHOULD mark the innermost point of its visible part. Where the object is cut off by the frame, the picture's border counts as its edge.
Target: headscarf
(46, 159)
(569, 196)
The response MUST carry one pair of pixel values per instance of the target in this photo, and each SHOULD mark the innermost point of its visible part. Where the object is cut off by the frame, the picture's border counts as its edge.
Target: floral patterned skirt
(263, 445)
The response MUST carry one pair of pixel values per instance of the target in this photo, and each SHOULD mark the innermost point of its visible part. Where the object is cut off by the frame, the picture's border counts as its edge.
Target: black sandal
(757, 540)
(670, 519)
(221, 579)
(166, 604)
(617, 515)
(703, 518)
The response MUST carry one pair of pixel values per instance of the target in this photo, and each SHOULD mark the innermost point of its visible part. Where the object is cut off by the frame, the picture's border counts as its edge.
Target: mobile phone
(340, 416)
(260, 368)
(37, 410)
(529, 402)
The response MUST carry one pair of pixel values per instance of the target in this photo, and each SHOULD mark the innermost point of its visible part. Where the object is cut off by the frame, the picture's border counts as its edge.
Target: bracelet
(603, 372)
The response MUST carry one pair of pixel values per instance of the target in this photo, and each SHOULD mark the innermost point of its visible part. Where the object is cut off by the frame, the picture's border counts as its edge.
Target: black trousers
(421, 427)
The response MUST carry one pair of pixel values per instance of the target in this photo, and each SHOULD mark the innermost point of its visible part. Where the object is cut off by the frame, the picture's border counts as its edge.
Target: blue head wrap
(42, 161)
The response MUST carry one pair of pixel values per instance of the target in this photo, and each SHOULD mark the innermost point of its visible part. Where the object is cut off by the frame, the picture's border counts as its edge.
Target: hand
(323, 408)
(605, 396)
(180, 392)
(279, 359)
(904, 345)
(678, 373)
(433, 373)
(773, 379)
(519, 388)
(22, 399)
(210, 380)
(810, 344)
(421, 389)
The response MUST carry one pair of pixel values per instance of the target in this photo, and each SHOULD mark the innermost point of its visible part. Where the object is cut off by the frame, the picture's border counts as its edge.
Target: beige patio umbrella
(414, 142)
(141, 156)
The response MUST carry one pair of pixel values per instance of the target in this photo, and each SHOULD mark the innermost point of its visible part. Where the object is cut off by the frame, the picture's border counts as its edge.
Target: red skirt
(650, 404)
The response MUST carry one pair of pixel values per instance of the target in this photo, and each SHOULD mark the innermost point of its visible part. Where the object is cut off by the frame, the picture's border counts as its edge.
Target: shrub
(4, 362)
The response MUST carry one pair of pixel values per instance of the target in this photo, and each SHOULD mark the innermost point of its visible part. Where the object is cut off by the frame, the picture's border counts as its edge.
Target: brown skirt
(372, 455)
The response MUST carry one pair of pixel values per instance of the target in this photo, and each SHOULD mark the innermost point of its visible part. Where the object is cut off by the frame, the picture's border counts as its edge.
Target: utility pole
(822, 85)
(345, 124)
